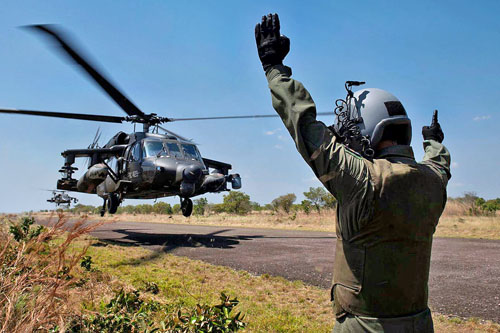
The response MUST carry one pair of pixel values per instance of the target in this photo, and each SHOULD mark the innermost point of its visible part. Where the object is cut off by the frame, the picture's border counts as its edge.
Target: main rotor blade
(80, 116)
(104, 83)
(243, 117)
(175, 134)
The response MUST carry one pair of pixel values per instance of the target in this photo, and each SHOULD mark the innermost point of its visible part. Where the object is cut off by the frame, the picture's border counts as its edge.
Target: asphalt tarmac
(464, 278)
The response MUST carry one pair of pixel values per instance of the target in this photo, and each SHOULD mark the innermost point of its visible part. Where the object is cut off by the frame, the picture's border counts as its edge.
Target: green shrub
(86, 263)
(23, 231)
(125, 312)
(206, 318)
(128, 312)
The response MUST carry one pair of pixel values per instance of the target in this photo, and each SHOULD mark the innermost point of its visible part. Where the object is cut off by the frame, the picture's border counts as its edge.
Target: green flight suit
(388, 209)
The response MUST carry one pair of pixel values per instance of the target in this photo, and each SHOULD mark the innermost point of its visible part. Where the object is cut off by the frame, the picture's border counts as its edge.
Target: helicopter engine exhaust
(190, 176)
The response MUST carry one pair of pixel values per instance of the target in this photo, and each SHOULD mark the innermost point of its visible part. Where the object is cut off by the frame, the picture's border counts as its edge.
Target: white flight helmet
(373, 110)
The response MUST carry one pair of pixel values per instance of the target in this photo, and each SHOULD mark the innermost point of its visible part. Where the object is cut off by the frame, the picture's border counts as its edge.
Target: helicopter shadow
(169, 242)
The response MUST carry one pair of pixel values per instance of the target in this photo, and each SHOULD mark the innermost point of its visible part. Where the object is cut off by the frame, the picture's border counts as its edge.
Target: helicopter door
(134, 171)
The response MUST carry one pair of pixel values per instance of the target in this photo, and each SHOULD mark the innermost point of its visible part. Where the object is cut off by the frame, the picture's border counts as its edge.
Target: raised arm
(341, 170)
(436, 153)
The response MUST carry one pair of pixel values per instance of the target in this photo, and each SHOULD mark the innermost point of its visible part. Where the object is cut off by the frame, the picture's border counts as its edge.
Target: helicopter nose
(190, 176)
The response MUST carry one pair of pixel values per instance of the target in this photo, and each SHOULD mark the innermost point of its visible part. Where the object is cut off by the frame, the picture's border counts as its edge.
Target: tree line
(235, 202)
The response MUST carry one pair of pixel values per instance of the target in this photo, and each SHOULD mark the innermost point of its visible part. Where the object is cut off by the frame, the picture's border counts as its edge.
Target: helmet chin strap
(346, 128)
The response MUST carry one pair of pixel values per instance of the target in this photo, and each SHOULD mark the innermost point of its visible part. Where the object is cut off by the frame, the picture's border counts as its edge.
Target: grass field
(270, 304)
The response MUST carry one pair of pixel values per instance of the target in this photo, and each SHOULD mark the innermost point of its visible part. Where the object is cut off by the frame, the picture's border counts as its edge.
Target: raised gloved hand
(272, 46)
(433, 132)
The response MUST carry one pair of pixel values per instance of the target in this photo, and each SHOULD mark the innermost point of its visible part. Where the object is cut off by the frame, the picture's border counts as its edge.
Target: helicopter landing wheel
(186, 207)
(103, 209)
(113, 203)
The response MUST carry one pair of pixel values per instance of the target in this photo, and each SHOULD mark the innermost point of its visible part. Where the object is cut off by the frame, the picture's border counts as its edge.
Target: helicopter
(143, 164)
(61, 198)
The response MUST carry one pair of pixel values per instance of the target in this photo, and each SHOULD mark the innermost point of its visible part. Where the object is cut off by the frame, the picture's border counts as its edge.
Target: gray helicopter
(61, 198)
(139, 165)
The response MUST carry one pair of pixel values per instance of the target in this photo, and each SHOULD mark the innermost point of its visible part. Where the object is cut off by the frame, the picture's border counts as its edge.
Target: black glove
(433, 132)
(272, 46)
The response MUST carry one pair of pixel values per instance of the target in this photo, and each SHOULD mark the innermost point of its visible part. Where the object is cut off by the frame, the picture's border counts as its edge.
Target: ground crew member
(388, 204)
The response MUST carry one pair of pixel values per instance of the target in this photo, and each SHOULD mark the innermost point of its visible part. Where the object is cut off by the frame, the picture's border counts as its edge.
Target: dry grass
(37, 289)
(456, 208)
(455, 221)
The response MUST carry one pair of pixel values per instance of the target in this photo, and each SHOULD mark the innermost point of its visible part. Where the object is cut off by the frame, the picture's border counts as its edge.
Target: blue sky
(198, 58)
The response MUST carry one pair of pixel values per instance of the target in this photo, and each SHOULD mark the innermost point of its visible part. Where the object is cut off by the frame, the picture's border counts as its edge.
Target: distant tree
(255, 206)
(237, 202)
(217, 208)
(329, 201)
(199, 206)
(317, 197)
(491, 206)
(79, 208)
(284, 202)
(305, 205)
(268, 207)
(485, 207)
(162, 208)
(176, 209)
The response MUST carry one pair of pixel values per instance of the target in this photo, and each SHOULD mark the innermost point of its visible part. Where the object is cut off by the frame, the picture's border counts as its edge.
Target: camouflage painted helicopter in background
(138, 165)
(61, 198)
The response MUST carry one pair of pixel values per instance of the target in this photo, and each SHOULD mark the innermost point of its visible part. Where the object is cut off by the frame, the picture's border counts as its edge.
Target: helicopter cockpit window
(112, 163)
(174, 150)
(136, 152)
(154, 148)
(190, 151)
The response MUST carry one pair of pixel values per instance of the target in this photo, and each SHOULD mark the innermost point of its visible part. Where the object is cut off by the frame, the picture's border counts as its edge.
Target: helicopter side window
(174, 150)
(154, 148)
(190, 151)
(112, 163)
(136, 152)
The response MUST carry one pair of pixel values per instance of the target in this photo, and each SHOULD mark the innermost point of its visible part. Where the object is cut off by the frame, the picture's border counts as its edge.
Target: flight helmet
(365, 115)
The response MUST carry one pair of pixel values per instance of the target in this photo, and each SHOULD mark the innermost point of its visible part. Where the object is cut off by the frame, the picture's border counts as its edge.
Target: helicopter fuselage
(147, 166)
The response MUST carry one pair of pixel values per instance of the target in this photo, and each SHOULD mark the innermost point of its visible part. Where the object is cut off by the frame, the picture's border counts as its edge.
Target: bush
(162, 208)
(255, 206)
(86, 263)
(176, 209)
(206, 318)
(306, 206)
(235, 202)
(199, 206)
(22, 230)
(128, 312)
(125, 312)
(284, 202)
(483, 207)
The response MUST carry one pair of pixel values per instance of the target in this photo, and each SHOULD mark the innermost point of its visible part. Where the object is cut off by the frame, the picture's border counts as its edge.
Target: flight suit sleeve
(342, 171)
(438, 156)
